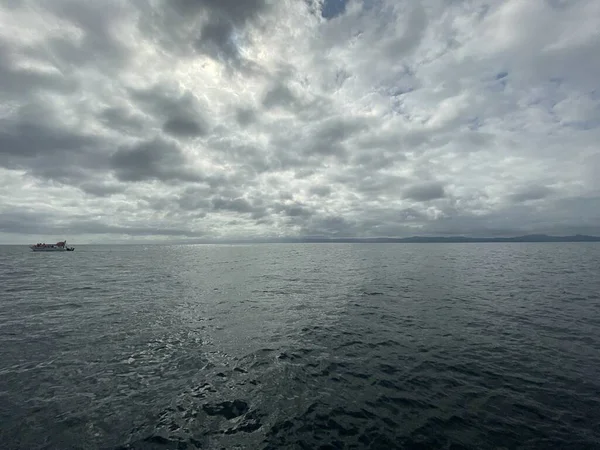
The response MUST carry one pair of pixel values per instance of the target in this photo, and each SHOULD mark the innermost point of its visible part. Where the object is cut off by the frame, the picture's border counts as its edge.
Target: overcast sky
(167, 119)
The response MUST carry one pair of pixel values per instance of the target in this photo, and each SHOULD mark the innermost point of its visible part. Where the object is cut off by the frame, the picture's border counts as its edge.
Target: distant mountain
(451, 239)
(385, 240)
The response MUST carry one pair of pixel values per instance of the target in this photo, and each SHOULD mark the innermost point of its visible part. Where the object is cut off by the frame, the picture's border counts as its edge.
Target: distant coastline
(466, 239)
(435, 239)
(529, 238)
(390, 240)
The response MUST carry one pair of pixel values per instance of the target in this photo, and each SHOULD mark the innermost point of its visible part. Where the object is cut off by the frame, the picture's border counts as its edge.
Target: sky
(131, 120)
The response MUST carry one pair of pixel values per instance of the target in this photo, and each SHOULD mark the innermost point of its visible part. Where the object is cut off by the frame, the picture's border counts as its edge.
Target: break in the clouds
(226, 119)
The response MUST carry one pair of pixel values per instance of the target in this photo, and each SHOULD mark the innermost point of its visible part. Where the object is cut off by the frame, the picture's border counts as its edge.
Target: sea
(301, 346)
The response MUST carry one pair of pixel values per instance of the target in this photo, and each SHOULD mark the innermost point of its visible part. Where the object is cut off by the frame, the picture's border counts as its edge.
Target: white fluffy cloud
(224, 119)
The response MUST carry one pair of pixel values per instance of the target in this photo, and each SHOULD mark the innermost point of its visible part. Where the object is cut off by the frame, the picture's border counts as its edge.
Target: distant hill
(452, 239)
(385, 240)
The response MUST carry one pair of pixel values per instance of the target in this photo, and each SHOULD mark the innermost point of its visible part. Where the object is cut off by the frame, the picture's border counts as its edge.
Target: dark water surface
(449, 346)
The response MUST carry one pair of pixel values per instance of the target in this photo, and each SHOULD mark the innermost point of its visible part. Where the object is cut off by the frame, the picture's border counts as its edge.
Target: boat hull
(58, 247)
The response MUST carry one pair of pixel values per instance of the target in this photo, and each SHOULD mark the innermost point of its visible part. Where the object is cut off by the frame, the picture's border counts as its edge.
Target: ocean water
(330, 346)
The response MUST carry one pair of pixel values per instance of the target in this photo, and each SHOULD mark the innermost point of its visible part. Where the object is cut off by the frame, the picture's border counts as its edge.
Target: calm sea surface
(339, 346)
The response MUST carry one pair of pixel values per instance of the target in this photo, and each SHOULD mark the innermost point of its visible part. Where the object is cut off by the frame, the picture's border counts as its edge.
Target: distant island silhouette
(447, 239)
(462, 239)
(392, 240)
(374, 240)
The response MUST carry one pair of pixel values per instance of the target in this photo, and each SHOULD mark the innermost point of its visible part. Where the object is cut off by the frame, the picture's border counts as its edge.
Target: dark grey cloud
(210, 27)
(410, 215)
(181, 112)
(195, 198)
(100, 189)
(304, 148)
(249, 160)
(30, 70)
(340, 129)
(518, 219)
(29, 140)
(184, 127)
(425, 191)
(158, 159)
(91, 227)
(236, 204)
(376, 159)
(217, 40)
(329, 226)
(320, 191)
(25, 221)
(330, 135)
(533, 192)
(371, 182)
(234, 10)
(38, 223)
(245, 116)
(99, 41)
(294, 209)
(416, 25)
(19, 82)
(122, 120)
(279, 96)
(256, 209)
(35, 141)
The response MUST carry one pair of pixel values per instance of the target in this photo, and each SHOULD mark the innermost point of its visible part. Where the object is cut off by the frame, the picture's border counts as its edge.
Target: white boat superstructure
(58, 247)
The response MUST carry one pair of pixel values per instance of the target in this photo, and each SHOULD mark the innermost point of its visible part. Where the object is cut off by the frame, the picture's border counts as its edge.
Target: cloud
(219, 118)
(230, 9)
(30, 140)
(157, 159)
(320, 191)
(35, 140)
(122, 120)
(181, 113)
(210, 27)
(182, 126)
(534, 192)
(102, 189)
(279, 96)
(245, 116)
(240, 205)
(425, 192)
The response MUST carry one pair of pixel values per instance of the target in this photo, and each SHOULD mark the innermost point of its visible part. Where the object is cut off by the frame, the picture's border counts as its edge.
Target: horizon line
(322, 239)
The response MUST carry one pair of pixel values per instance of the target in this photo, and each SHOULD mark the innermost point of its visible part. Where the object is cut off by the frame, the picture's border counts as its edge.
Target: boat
(58, 247)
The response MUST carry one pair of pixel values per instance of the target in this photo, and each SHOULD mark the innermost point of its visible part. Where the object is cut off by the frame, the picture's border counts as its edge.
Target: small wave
(229, 409)
(158, 442)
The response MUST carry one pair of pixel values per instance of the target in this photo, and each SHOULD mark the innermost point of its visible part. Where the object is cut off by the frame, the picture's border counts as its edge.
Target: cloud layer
(226, 119)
